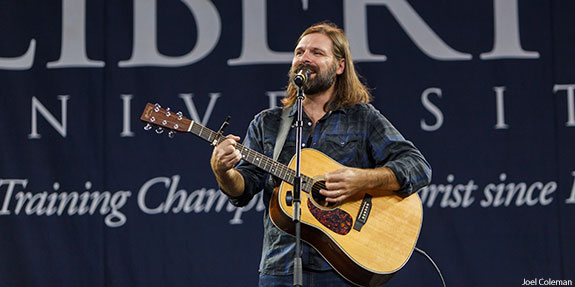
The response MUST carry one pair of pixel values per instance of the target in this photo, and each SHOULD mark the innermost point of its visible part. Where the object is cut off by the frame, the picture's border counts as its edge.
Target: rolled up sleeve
(254, 178)
(390, 149)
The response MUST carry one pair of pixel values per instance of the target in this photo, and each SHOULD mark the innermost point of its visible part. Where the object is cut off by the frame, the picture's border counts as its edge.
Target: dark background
(481, 244)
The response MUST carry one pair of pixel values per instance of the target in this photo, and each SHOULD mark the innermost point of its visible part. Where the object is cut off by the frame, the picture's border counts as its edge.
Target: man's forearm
(381, 178)
(231, 182)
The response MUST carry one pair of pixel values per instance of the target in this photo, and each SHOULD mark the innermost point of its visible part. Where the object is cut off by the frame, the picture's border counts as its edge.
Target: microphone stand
(297, 266)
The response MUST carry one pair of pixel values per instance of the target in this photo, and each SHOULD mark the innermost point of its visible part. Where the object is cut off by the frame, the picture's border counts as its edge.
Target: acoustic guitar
(366, 239)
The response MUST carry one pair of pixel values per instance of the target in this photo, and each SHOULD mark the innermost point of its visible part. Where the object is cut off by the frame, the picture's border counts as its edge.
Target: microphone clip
(301, 77)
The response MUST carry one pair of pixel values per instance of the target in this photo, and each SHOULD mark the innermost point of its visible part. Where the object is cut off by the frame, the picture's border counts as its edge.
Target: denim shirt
(359, 137)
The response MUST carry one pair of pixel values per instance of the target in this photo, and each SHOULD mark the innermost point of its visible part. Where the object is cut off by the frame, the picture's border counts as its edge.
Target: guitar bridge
(363, 213)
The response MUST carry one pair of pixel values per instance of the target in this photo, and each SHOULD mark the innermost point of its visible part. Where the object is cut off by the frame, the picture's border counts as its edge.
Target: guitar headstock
(155, 115)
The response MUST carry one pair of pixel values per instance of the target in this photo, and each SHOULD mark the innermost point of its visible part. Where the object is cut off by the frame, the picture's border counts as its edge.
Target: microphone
(301, 76)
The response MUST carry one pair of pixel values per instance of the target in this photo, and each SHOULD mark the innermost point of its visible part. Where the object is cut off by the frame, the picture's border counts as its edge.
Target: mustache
(298, 67)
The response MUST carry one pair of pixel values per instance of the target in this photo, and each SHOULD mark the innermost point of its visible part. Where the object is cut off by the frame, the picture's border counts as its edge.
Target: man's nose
(305, 58)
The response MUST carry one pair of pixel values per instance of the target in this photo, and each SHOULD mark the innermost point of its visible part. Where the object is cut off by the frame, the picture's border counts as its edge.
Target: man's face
(315, 51)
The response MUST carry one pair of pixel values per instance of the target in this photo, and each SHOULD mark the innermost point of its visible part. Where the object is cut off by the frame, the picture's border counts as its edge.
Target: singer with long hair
(340, 122)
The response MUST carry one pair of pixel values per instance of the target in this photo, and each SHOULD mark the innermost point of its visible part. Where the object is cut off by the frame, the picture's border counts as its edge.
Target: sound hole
(317, 197)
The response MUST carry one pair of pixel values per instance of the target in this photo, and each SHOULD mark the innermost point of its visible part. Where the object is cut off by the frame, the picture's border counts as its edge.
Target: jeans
(310, 279)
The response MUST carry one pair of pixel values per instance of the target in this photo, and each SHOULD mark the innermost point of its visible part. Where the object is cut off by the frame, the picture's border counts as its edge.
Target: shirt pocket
(341, 140)
(343, 148)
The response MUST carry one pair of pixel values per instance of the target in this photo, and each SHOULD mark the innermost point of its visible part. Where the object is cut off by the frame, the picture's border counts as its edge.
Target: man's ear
(340, 66)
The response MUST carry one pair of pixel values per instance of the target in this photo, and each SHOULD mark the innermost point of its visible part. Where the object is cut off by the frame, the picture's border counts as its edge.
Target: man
(340, 122)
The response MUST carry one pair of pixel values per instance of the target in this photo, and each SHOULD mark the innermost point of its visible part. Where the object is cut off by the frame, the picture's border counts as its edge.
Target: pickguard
(335, 220)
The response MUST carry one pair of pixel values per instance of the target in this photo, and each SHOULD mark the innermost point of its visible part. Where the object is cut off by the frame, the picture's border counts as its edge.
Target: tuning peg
(157, 107)
(171, 134)
(147, 127)
(159, 130)
(168, 113)
(180, 116)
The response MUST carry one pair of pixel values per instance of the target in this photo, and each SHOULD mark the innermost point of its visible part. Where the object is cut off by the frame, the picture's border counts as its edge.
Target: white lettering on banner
(507, 43)
(37, 106)
(355, 21)
(502, 194)
(194, 112)
(106, 203)
(571, 199)
(255, 49)
(304, 4)
(65, 203)
(570, 102)
(273, 97)
(126, 131)
(523, 193)
(73, 48)
(257, 202)
(458, 195)
(178, 200)
(499, 105)
(142, 194)
(200, 200)
(499, 96)
(433, 109)
(169, 198)
(9, 191)
(145, 48)
(23, 62)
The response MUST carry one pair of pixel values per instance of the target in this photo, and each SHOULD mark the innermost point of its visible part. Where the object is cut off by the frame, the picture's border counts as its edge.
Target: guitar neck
(262, 161)
(158, 116)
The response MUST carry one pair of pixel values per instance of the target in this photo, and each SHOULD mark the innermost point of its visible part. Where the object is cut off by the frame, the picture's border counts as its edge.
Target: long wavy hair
(348, 90)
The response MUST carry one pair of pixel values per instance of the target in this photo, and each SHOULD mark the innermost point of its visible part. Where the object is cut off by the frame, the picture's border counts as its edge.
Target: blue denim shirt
(359, 137)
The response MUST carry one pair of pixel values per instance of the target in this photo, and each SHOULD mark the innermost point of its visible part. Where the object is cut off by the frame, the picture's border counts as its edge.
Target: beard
(322, 81)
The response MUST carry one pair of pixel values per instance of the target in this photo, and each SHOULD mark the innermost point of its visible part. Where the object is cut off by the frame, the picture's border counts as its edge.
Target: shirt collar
(294, 110)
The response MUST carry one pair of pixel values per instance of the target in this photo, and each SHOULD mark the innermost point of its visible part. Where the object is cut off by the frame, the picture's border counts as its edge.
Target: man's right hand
(224, 158)
(225, 155)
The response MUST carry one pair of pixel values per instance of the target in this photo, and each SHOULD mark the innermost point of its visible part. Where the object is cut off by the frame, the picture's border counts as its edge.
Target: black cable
(434, 265)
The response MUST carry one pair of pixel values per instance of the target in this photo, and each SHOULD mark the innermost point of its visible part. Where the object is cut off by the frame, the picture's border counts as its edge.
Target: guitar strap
(280, 141)
(282, 132)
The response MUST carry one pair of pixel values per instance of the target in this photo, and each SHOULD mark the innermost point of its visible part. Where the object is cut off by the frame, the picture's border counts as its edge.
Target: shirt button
(309, 124)
(303, 144)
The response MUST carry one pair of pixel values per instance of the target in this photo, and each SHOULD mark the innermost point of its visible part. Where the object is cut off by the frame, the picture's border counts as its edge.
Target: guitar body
(365, 255)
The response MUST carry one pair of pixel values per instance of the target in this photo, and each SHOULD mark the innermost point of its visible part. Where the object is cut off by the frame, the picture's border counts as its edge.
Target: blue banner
(485, 89)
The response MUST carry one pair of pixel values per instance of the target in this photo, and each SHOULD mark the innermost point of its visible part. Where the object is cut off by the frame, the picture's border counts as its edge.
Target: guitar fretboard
(262, 161)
